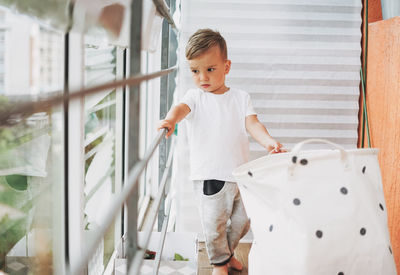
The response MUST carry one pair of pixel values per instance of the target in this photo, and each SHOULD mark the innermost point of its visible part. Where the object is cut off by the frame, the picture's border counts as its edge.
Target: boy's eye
(211, 69)
(195, 71)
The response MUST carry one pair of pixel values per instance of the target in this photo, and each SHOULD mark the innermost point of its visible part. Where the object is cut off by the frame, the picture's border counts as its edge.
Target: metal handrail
(157, 260)
(163, 9)
(119, 201)
(138, 258)
(30, 107)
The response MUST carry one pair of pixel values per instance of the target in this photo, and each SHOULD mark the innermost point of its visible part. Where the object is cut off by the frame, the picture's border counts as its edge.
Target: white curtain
(298, 59)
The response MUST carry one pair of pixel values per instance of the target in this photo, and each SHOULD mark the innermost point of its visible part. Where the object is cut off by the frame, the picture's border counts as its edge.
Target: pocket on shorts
(212, 187)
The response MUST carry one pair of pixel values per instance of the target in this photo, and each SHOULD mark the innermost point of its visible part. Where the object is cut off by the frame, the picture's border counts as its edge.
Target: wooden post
(383, 104)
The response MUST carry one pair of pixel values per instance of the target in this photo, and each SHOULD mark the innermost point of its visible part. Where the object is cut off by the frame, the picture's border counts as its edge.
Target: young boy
(218, 117)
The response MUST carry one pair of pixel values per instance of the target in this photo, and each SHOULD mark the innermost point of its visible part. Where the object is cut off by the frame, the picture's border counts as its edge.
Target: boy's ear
(227, 66)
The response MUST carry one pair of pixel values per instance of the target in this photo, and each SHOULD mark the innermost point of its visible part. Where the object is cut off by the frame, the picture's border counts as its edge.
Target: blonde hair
(204, 39)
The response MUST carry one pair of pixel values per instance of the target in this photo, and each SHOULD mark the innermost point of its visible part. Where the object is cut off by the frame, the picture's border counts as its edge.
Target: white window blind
(299, 60)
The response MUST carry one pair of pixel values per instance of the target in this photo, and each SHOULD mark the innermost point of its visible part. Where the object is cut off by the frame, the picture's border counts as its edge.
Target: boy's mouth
(205, 86)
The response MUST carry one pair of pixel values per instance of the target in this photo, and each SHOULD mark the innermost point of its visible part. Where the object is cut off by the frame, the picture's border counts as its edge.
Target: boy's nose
(203, 76)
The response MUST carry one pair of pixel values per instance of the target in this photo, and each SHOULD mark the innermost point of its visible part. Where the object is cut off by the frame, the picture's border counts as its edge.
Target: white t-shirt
(218, 141)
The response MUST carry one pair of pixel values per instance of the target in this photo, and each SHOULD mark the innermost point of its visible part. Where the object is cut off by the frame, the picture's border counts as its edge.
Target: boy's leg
(240, 223)
(220, 270)
(215, 211)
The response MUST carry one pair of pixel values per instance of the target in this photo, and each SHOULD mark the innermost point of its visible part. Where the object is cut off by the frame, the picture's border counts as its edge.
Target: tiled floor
(241, 253)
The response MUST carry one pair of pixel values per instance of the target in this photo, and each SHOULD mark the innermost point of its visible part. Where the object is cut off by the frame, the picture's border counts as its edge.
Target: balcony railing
(135, 165)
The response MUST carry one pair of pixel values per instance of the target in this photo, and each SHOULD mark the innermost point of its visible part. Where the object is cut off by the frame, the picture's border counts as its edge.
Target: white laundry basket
(317, 212)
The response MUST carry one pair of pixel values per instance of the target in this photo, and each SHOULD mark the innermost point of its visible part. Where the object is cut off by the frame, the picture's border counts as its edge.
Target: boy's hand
(169, 125)
(272, 144)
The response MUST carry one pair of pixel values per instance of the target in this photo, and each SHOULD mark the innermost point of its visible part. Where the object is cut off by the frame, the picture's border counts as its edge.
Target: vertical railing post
(133, 107)
(173, 56)
(164, 83)
(74, 134)
(173, 59)
(119, 139)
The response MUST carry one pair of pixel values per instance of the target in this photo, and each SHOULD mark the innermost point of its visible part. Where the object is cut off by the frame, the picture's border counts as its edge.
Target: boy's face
(209, 70)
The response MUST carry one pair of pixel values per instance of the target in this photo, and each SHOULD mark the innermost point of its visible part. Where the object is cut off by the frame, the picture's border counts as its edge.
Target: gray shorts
(223, 218)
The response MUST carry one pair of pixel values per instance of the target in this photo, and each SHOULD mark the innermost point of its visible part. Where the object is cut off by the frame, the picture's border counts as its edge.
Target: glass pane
(53, 12)
(100, 108)
(31, 149)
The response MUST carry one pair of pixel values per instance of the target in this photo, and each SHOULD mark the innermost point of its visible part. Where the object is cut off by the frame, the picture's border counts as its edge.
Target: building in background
(31, 56)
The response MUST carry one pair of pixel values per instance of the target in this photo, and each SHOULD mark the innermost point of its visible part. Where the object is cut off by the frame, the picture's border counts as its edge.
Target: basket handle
(267, 156)
(296, 149)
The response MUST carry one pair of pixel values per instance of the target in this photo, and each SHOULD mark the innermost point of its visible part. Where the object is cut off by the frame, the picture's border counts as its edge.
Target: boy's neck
(220, 91)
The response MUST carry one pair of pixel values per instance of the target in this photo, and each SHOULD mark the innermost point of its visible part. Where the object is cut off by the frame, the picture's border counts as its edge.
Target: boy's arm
(175, 115)
(257, 130)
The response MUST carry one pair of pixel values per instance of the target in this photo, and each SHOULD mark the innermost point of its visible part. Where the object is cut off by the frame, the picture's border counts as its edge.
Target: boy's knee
(213, 237)
(248, 222)
(246, 227)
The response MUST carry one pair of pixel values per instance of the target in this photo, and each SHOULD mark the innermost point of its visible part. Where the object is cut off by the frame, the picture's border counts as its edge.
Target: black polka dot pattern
(303, 162)
(319, 233)
(250, 173)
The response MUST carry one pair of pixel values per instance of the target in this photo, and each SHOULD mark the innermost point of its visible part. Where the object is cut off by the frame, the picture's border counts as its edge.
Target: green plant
(16, 230)
(18, 182)
(178, 257)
